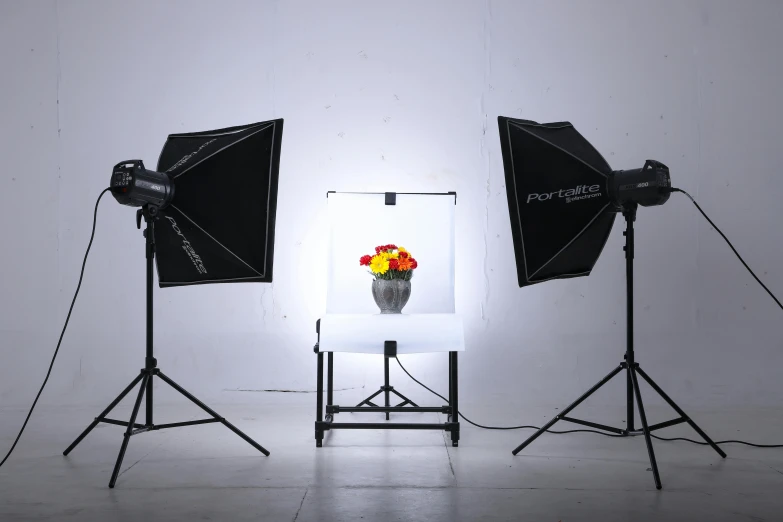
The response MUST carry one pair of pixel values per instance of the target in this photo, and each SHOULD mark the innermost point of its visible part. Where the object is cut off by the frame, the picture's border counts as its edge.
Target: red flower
(414, 264)
(394, 264)
(404, 255)
(378, 249)
(365, 260)
(391, 247)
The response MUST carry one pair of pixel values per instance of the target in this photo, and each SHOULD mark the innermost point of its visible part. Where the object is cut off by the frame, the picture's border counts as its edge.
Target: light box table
(387, 335)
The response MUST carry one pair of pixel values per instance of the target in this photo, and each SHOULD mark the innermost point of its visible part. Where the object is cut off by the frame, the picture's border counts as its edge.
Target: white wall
(395, 96)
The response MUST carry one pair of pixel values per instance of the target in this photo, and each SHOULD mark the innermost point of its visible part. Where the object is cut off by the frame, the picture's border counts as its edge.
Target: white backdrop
(398, 96)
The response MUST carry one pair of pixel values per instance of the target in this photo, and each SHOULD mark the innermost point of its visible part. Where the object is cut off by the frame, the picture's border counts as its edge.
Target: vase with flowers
(392, 267)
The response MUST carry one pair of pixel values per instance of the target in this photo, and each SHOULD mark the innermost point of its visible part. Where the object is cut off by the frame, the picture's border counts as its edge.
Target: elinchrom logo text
(188, 248)
(575, 194)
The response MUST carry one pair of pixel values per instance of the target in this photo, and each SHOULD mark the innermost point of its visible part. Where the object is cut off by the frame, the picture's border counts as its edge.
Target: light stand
(633, 369)
(150, 370)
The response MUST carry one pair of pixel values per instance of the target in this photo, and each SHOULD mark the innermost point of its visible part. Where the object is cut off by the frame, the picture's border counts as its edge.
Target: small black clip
(138, 218)
(391, 198)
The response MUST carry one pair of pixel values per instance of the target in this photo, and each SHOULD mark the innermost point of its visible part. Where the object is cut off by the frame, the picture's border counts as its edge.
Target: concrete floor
(207, 473)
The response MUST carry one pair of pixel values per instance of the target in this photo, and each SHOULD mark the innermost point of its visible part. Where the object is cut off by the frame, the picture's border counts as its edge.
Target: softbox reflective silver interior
(220, 224)
(558, 198)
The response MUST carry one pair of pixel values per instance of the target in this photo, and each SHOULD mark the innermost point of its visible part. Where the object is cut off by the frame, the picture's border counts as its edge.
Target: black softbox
(220, 224)
(558, 198)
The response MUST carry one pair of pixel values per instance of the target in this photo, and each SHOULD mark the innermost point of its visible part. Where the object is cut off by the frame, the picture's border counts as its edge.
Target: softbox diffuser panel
(558, 199)
(220, 224)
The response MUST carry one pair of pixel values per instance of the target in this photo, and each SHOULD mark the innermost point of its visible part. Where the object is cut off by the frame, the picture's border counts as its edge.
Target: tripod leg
(568, 409)
(369, 399)
(330, 378)
(104, 413)
(645, 428)
(209, 410)
(680, 412)
(454, 399)
(451, 386)
(386, 383)
(127, 436)
(149, 406)
(319, 400)
(629, 401)
(404, 398)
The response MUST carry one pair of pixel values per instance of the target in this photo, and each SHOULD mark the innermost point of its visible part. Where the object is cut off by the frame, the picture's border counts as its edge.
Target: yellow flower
(379, 264)
(401, 249)
(394, 255)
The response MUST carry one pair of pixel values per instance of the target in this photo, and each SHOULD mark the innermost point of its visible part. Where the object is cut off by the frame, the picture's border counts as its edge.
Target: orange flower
(404, 264)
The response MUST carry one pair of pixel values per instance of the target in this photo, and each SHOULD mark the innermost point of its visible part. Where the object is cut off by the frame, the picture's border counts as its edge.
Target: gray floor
(207, 473)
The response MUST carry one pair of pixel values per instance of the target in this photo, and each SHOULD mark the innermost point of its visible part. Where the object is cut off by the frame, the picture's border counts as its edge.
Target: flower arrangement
(390, 262)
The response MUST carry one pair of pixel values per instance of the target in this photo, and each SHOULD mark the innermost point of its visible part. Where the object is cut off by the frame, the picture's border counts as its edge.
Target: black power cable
(575, 431)
(497, 427)
(68, 318)
(730, 246)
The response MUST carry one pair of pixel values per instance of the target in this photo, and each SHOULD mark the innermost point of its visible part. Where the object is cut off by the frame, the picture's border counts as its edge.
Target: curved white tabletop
(414, 333)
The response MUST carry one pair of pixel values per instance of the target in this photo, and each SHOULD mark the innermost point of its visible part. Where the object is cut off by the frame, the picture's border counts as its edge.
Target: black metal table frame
(324, 423)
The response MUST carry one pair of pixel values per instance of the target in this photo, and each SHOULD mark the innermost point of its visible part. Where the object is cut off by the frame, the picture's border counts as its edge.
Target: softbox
(220, 224)
(558, 189)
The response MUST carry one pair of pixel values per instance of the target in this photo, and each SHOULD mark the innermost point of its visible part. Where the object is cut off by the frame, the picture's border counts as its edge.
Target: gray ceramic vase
(391, 295)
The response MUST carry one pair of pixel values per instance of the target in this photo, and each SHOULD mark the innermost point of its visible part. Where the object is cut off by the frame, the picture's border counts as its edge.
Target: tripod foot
(247, 439)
